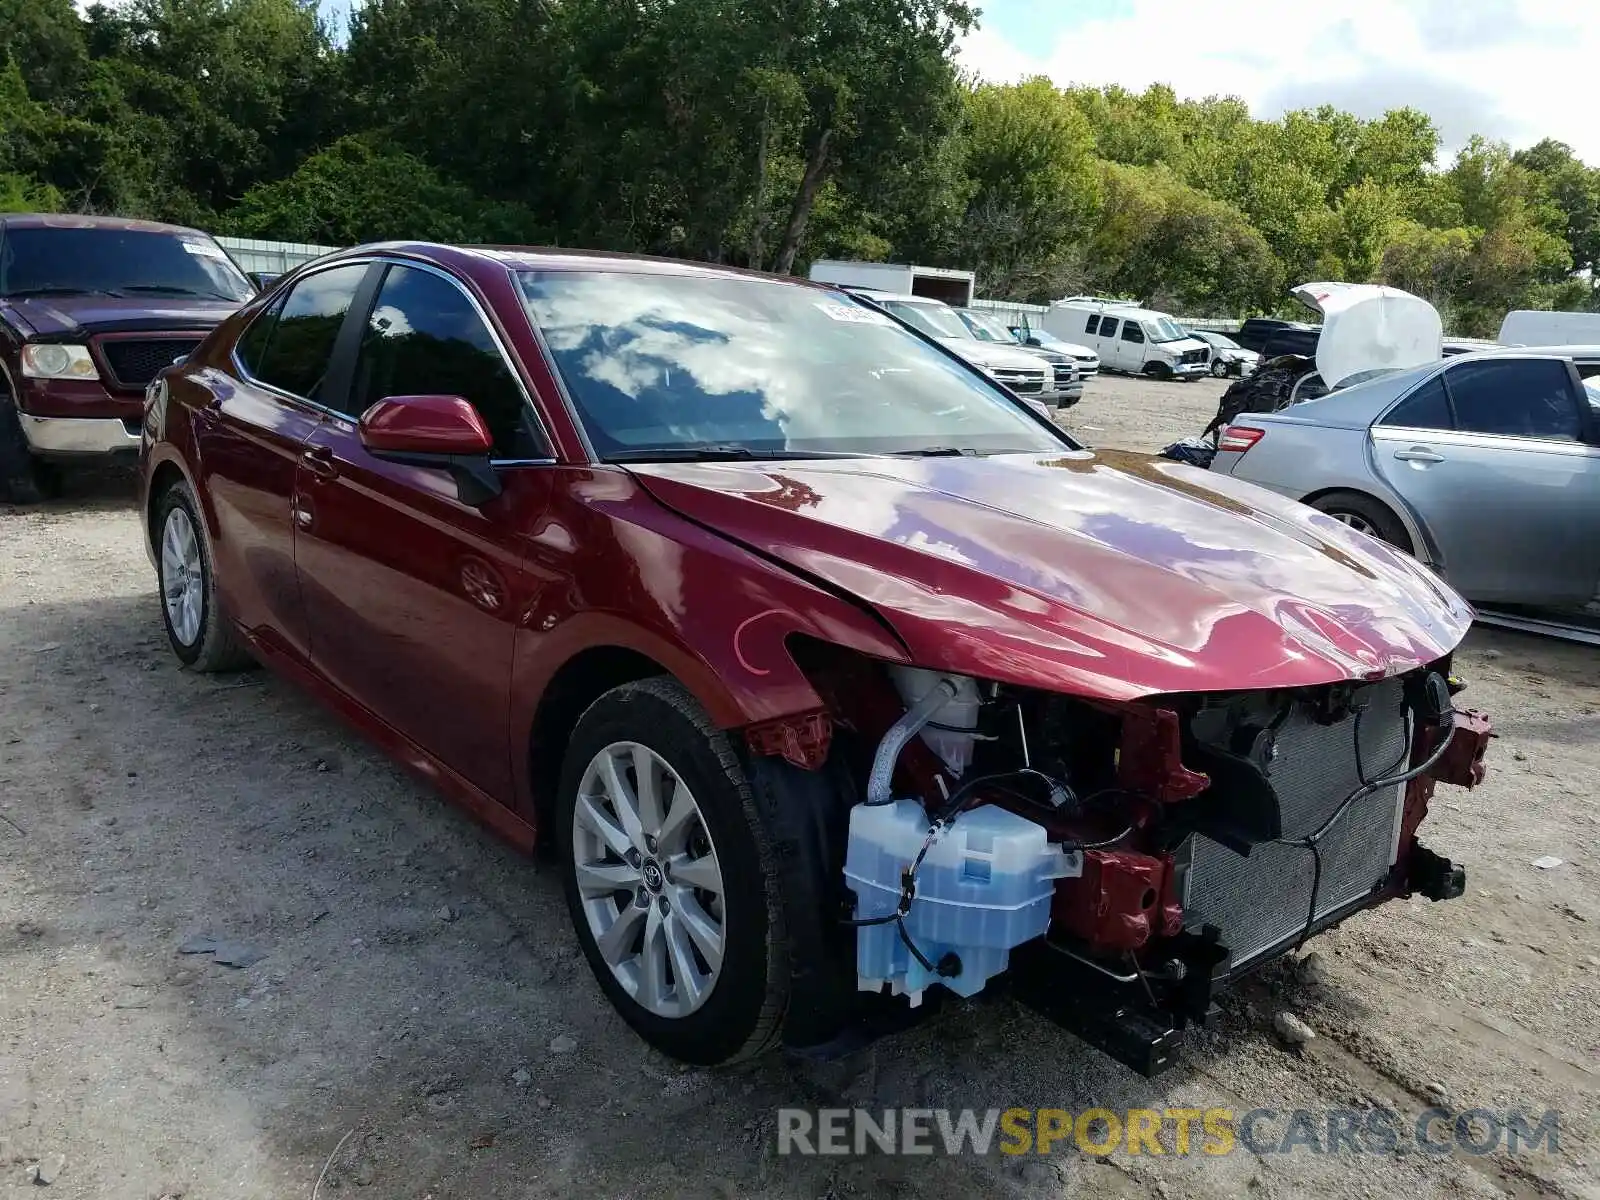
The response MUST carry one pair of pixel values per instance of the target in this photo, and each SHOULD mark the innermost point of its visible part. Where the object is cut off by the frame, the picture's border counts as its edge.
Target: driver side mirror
(263, 279)
(442, 432)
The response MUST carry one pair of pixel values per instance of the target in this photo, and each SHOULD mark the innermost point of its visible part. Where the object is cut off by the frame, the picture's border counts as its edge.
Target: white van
(1128, 338)
(1530, 327)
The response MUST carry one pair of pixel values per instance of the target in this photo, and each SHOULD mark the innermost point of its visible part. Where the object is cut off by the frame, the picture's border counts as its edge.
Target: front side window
(425, 338)
(1131, 332)
(62, 260)
(299, 349)
(679, 365)
(1517, 398)
(1425, 408)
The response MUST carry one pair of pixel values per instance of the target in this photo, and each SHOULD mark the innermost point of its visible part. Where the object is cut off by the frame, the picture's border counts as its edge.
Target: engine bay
(1116, 864)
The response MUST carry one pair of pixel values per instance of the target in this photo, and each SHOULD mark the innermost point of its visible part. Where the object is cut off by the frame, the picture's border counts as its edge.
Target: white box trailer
(952, 286)
(1531, 327)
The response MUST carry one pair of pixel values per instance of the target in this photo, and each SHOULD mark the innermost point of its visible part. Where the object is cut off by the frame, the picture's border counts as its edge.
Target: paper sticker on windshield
(205, 249)
(854, 314)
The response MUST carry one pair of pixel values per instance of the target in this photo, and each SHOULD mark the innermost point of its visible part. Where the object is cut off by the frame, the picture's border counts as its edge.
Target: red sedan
(824, 665)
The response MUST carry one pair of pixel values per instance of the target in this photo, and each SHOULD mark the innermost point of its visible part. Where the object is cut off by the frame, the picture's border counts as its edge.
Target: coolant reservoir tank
(951, 731)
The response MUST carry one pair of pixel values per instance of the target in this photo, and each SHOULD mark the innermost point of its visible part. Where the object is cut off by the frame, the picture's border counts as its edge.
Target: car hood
(990, 354)
(1368, 327)
(77, 316)
(1100, 574)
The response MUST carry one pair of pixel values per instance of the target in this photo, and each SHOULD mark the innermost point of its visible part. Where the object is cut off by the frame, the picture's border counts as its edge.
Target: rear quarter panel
(1301, 460)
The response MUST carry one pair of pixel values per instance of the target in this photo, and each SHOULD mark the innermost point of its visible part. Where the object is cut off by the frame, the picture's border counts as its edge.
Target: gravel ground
(422, 1024)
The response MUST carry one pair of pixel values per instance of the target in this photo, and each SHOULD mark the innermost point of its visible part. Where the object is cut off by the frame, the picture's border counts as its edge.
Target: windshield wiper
(721, 453)
(175, 290)
(56, 289)
(938, 452)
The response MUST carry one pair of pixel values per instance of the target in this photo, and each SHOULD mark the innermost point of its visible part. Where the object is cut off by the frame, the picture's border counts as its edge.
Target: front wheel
(197, 628)
(670, 877)
(1219, 369)
(1158, 370)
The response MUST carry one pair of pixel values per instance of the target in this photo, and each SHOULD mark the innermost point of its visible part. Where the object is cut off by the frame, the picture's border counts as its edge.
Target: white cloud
(1518, 70)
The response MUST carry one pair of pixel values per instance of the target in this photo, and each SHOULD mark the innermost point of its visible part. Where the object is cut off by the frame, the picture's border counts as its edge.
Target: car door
(1493, 455)
(1131, 346)
(412, 595)
(248, 442)
(1109, 343)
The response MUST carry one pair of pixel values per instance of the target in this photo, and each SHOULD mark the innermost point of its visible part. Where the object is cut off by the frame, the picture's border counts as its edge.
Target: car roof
(76, 221)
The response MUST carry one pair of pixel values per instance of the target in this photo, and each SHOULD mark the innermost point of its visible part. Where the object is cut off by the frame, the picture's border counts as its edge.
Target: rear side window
(297, 352)
(1520, 398)
(1108, 327)
(1131, 332)
(1425, 408)
(1093, 323)
(425, 337)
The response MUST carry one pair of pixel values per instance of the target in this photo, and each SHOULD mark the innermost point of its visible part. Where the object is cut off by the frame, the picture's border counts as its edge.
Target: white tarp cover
(1369, 327)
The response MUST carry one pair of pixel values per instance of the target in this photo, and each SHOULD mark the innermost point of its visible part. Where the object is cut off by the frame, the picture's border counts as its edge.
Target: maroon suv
(91, 308)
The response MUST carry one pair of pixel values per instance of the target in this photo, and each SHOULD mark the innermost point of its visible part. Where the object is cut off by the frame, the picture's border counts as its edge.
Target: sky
(1515, 70)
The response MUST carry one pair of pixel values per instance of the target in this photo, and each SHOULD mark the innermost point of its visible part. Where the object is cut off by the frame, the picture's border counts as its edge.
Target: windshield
(935, 320)
(675, 365)
(45, 260)
(1220, 340)
(988, 329)
(1164, 329)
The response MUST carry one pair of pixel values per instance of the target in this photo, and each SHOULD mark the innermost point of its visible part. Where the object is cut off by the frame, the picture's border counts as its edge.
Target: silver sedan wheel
(1356, 522)
(648, 876)
(182, 576)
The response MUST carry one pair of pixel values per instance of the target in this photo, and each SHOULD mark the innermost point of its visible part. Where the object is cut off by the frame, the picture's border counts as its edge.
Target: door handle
(1418, 454)
(319, 461)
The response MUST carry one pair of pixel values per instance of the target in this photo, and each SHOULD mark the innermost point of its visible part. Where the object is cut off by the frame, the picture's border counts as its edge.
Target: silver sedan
(1486, 466)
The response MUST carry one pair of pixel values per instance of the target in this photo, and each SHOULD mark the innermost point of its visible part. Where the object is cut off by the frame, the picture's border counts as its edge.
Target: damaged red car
(836, 678)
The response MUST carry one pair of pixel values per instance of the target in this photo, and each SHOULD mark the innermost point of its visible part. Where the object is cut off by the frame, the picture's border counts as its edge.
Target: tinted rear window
(55, 261)
(1425, 408)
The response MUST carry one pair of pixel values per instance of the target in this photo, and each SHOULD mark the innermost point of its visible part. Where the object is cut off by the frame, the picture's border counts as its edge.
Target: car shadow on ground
(421, 1006)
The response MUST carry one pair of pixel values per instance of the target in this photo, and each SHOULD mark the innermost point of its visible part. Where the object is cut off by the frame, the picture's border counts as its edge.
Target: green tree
(1030, 158)
(355, 192)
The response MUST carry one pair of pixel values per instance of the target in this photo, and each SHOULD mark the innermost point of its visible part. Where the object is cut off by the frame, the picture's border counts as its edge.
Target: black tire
(1219, 369)
(21, 477)
(1158, 370)
(779, 948)
(1365, 513)
(216, 645)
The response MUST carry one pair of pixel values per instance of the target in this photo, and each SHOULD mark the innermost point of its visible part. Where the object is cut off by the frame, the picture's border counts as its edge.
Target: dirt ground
(422, 1024)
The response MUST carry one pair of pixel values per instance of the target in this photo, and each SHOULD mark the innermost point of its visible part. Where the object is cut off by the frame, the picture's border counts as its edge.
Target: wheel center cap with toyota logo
(654, 878)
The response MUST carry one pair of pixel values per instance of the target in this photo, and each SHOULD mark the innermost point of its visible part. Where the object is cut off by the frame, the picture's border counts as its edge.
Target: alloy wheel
(1357, 522)
(649, 880)
(182, 576)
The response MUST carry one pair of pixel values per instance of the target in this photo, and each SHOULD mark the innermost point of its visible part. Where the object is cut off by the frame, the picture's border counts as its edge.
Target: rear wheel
(1366, 515)
(677, 876)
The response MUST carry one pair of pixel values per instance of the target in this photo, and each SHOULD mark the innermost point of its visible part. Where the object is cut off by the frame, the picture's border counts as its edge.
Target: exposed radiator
(1261, 900)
